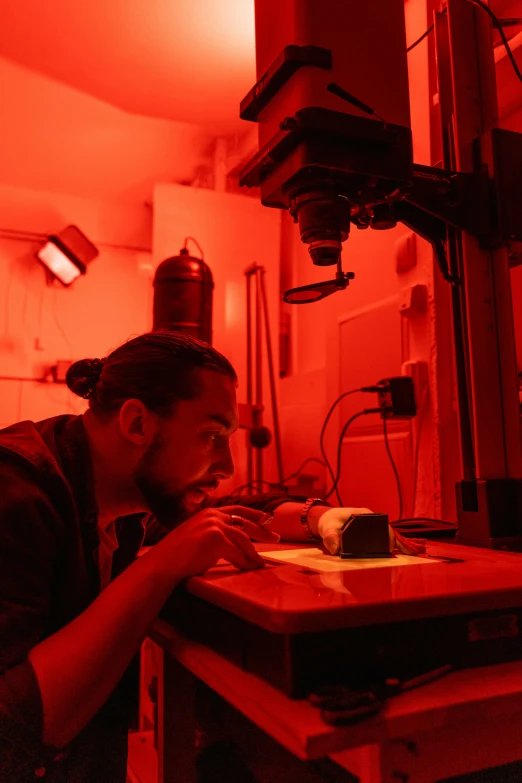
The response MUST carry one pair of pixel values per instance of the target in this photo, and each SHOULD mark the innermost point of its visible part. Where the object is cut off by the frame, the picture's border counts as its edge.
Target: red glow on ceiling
(184, 61)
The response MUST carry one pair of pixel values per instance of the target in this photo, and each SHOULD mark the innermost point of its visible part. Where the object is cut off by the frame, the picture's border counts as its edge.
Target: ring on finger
(236, 521)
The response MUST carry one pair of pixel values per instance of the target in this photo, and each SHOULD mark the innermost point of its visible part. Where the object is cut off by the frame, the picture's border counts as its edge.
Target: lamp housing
(67, 254)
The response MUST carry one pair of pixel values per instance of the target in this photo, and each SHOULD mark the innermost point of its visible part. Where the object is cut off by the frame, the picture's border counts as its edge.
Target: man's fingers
(252, 523)
(330, 536)
(411, 546)
(237, 557)
(408, 546)
(331, 542)
(241, 541)
(252, 514)
(258, 533)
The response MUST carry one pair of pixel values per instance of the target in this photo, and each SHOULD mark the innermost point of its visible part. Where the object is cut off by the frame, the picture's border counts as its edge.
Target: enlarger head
(332, 108)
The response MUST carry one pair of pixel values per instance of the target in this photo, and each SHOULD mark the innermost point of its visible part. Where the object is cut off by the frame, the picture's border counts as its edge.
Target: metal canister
(183, 287)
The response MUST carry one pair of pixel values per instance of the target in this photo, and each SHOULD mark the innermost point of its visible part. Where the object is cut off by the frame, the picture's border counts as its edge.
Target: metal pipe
(250, 467)
(16, 235)
(275, 414)
(259, 370)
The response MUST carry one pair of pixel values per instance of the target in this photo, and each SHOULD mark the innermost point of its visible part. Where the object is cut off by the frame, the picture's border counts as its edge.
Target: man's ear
(137, 423)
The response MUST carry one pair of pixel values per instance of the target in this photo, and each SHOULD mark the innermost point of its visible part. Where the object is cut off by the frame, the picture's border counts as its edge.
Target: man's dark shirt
(48, 576)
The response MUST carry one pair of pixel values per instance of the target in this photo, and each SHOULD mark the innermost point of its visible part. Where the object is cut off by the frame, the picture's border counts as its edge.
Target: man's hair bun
(82, 376)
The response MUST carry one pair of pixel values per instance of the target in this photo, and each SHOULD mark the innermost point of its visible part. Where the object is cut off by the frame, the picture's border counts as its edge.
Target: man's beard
(168, 507)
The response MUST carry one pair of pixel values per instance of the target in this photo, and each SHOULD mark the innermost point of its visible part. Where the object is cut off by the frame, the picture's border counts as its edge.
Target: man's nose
(224, 467)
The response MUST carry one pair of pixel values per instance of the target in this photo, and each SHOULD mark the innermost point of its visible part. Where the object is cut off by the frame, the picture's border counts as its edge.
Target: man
(75, 497)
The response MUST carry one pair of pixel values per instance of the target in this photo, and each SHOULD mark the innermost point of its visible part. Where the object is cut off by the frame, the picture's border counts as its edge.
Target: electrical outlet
(397, 398)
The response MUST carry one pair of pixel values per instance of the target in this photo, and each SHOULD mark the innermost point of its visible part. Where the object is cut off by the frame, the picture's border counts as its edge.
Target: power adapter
(397, 398)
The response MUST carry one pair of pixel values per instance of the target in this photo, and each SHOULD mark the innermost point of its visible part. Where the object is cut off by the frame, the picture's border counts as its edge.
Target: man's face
(190, 453)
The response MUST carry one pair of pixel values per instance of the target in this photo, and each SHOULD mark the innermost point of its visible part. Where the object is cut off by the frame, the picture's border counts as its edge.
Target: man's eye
(215, 435)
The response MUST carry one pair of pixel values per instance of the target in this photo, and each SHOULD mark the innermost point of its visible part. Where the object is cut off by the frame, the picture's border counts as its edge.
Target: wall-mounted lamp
(67, 254)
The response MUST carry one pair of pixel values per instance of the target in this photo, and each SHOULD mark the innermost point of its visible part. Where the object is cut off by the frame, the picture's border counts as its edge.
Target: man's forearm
(78, 667)
(287, 521)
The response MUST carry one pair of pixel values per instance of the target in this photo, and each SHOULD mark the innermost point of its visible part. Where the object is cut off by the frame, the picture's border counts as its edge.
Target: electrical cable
(197, 245)
(59, 324)
(497, 24)
(252, 484)
(325, 461)
(339, 451)
(423, 519)
(300, 468)
(413, 527)
(374, 389)
(392, 462)
(423, 36)
(323, 430)
(514, 21)
(399, 522)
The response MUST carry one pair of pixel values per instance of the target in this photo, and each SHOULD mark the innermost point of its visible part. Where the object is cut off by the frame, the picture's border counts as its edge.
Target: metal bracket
(460, 200)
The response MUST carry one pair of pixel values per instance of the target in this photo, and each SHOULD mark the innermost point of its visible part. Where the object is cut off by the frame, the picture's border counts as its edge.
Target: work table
(467, 720)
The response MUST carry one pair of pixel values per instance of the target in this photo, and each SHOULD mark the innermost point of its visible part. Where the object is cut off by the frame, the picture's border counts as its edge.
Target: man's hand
(216, 533)
(408, 546)
(332, 520)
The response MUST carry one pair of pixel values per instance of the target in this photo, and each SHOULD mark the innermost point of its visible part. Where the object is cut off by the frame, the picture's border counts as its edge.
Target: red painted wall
(70, 158)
